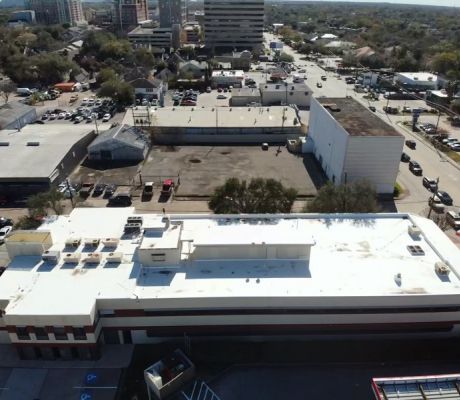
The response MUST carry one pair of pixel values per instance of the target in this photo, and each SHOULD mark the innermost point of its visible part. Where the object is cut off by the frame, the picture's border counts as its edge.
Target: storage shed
(122, 143)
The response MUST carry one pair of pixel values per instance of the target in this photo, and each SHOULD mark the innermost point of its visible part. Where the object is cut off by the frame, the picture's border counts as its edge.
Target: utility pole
(431, 200)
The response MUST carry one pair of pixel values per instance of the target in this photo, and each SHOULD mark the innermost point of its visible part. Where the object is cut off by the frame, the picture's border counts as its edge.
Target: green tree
(115, 49)
(356, 197)
(120, 91)
(264, 196)
(284, 57)
(105, 75)
(39, 204)
(6, 88)
(144, 58)
(455, 106)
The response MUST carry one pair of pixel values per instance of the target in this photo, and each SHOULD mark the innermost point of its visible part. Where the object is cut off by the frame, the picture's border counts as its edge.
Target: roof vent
(441, 268)
(72, 258)
(51, 256)
(135, 220)
(93, 258)
(414, 231)
(111, 242)
(114, 257)
(35, 144)
(416, 250)
(73, 242)
(92, 242)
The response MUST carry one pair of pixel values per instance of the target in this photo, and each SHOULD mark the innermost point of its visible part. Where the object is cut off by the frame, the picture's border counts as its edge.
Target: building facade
(286, 93)
(352, 144)
(234, 23)
(161, 38)
(172, 12)
(49, 12)
(110, 276)
(130, 13)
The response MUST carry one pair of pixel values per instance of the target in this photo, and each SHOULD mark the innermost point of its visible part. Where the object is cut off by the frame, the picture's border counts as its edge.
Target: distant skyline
(447, 3)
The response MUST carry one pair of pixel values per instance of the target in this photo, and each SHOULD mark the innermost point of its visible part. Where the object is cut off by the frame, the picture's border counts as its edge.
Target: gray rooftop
(10, 112)
(356, 119)
(37, 150)
(125, 134)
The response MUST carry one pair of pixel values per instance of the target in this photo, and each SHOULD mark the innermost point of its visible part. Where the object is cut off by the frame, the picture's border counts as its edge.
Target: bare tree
(6, 88)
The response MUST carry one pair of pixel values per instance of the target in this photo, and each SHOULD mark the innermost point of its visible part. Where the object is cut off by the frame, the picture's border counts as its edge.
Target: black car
(99, 189)
(430, 184)
(412, 144)
(372, 108)
(5, 222)
(444, 197)
(110, 190)
(415, 168)
(405, 157)
(120, 200)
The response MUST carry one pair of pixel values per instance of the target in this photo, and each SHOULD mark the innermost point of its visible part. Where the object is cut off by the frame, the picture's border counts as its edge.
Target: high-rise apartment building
(50, 12)
(172, 12)
(234, 23)
(130, 13)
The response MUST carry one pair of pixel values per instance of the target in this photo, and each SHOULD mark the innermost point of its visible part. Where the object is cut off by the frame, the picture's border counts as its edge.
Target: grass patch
(454, 155)
(398, 190)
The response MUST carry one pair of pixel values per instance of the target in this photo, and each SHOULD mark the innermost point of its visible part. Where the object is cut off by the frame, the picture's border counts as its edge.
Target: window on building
(60, 333)
(22, 333)
(79, 333)
(149, 90)
(306, 93)
(41, 333)
(158, 257)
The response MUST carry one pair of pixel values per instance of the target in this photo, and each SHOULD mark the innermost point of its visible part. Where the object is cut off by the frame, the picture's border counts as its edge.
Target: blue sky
(451, 3)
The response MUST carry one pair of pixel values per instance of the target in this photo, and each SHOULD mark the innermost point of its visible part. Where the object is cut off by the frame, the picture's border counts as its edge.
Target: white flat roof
(419, 76)
(222, 117)
(55, 140)
(233, 73)
(352, 256)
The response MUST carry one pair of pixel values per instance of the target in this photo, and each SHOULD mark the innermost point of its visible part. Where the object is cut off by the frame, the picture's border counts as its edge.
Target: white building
(149, 38)
(148, 88)
(351, 143)
(242, 97)
(417, 80)
(286, 93)
(234, 23)
(224, 78)
(111, 276)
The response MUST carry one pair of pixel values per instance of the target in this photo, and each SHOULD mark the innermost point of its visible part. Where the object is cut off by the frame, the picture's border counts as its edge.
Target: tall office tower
(172, 12)
(130, 13)
(50, 12)
(234, 23)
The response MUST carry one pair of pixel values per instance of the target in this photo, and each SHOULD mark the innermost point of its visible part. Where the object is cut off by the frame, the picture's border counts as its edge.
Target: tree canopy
(356, 197)
(259, 196)
(118, 90)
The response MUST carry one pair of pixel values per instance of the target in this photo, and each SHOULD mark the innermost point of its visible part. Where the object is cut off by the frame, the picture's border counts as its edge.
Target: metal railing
(201, 391)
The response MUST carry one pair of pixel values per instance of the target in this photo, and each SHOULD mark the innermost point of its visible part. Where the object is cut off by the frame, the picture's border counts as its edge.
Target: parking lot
(202, 168)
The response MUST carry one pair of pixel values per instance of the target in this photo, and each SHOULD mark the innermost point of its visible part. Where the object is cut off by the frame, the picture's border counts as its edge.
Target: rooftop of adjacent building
(419, 76)
(356, 119)
(284, 86)
(368, 257)
(221, 117)
(228, 73)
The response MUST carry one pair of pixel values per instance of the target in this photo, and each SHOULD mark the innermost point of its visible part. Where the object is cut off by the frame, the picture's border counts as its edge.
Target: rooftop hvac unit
(132, 228)
(111, 242)
(51, 256)
(73, 242)
(135, 220)
(92, 242)
(93, 258)
(72, 258)
(441, 268)
(414, 230)
(114, 257)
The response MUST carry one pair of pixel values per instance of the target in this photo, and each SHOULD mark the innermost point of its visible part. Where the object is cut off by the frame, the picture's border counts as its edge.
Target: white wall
(330, 141)
(375, 159)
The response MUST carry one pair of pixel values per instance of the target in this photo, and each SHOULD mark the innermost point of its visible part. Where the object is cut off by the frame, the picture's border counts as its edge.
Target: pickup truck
(167, 188)
(86, 189)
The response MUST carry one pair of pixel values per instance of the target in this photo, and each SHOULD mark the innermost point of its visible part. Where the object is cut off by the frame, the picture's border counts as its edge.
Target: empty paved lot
(202, 168)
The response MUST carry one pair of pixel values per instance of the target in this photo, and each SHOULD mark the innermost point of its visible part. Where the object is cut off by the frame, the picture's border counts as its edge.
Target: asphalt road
(434, 163)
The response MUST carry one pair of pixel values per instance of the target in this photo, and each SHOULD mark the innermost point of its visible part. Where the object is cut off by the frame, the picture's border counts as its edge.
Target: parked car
(412, 144)
(319, 84)
(61, 115)
(436, 204)
(110, 190)
(4, 233)
(444, 197)
(221, 97)
(324, 78)
(106, 118)
(52, 116)
(167, 188)
(430, 184)
(120, 200)
(453, 219)
(86, 188)
(6, 222)
(99, 189)
(147, 192)
(405, 157)
(78, 119)
(372, 108)
(208, 89)
(415, 168)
